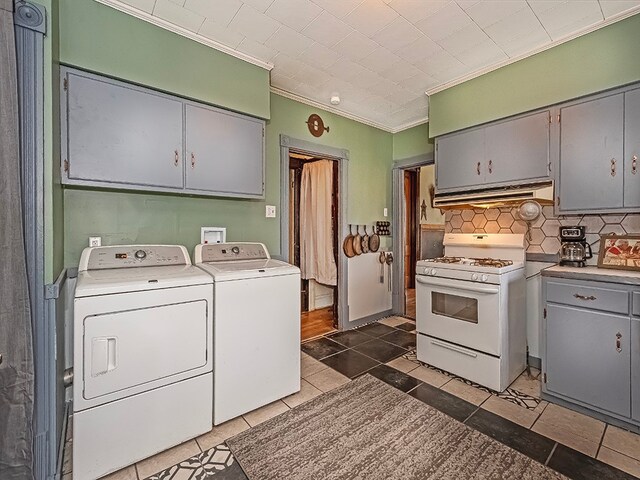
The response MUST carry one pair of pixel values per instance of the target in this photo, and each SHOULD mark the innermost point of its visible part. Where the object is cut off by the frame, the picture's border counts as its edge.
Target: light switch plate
(270, 211)
(385, 212)
(95, 241)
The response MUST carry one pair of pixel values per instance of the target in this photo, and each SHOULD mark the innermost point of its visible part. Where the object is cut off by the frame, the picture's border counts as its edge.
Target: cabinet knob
(618, 342)
(478, 168)
(634, 164)
(613, 167)
(193, 160)
(176, 158)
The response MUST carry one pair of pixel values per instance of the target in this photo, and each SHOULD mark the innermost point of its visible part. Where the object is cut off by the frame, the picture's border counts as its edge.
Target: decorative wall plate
(316, 125)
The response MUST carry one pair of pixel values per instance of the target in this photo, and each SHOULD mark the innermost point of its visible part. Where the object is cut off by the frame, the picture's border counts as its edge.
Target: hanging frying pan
(357, 241)
(374, 241)
(365, 241)
(347, 245)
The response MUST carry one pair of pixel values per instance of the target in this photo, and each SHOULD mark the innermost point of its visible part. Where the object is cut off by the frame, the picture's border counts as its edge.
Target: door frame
(288, 144)
(399, 166)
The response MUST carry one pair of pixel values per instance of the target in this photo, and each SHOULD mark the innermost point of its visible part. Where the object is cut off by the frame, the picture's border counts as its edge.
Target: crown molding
(496, 66)
(147, 17)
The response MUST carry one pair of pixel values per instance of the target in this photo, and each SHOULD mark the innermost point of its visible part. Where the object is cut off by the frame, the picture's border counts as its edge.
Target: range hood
(495, 197)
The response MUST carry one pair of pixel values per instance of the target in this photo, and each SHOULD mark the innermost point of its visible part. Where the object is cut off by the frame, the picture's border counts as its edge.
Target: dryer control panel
(228, 252)
(126, 256)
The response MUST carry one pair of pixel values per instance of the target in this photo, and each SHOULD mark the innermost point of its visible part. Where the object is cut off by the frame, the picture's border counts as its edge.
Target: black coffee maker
(574, 248)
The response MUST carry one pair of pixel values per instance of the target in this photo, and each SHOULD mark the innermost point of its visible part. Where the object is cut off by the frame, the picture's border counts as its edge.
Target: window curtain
(16, 369)
(316, 226)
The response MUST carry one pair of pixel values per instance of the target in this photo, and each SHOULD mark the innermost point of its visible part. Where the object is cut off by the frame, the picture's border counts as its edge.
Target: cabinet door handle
(176, 158)
(490, 166)
(193, 160)
(582, 297)
(634, 164)
(618, 342)
(613, 167)
(478, 168)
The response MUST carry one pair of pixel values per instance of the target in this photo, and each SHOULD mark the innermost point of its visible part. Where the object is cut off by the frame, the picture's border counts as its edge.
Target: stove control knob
(485, 278)
(433, 271)
(236, 250)
(140, 254)
(474, 276)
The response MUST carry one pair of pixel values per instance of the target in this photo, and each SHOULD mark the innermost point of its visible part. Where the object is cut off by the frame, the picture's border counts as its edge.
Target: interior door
(583, 360)
(591, 154)
(117, 133)
(225, 152)
(130, 348)
(460, 160)
(632, 148)
(518, 149)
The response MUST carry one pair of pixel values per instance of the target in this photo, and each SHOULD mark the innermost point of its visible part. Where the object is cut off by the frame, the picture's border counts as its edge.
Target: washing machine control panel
(225, 252)
(136, 256)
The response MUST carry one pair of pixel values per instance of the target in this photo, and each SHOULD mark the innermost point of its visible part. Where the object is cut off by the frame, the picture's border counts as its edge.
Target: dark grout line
(471, 414)
(606, 426)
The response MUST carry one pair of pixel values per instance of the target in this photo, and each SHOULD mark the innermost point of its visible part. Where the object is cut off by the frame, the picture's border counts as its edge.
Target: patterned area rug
(367, 429)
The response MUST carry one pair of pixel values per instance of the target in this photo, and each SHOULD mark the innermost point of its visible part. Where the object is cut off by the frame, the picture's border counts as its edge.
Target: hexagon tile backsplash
(544, 231)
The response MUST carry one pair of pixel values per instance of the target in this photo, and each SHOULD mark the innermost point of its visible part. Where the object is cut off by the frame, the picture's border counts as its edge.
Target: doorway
(314, 208)
(420, 226)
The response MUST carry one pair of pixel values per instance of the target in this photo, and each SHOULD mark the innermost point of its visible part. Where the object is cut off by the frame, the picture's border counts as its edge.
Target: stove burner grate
(474, 262)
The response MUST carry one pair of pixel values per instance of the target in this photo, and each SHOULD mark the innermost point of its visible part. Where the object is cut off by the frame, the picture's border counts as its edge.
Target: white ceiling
(381, 56)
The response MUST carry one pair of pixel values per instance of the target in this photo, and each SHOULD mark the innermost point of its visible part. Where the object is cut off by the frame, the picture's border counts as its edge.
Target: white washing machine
(142, 355)
(256, 327)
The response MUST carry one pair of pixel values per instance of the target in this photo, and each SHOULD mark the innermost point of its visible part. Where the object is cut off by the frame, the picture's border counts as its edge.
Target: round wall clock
(316, 125)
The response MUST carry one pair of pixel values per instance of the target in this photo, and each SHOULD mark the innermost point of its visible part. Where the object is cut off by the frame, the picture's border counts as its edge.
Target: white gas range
(471, 308)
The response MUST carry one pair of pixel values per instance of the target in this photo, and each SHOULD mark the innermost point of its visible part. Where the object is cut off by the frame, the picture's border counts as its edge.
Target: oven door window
(454, 306)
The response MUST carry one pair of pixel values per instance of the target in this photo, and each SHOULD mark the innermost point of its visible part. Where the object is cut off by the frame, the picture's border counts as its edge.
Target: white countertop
(594, 273)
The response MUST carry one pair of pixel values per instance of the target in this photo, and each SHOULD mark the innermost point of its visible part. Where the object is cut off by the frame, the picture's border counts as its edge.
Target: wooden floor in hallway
(316, 323)
(410, 303)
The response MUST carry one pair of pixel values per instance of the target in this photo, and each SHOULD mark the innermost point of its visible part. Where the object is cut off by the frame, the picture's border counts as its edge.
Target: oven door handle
(469, 288)
(455, 349)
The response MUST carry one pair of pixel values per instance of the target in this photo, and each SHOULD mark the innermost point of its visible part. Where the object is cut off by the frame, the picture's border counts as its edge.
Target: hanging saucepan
(357, 241)
(374, 241)
(347, 245)
(365, 241)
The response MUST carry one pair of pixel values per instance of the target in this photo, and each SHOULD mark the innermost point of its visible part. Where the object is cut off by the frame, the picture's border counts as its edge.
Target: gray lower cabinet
(591, 154)
(117, 133)
(518, 150)
(635, 369)
(460, 160)
(632, 149)
(124, 136)
(225, 152)
(584, 360)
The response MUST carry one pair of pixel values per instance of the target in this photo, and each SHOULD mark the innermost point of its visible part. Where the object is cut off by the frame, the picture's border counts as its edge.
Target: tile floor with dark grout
(576, 445)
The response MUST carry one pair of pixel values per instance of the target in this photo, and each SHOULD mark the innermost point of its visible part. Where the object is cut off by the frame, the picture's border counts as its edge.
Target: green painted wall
(98, 38)
(597, 61)
(127, 217)
(411, 142)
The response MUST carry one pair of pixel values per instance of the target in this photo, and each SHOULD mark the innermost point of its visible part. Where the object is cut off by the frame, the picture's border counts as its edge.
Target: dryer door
(132, 348)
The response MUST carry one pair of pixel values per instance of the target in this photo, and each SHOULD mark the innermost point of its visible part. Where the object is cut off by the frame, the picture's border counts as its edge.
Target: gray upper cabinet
(518, 150)
(120, 134)
(225, 152)
(460, 159)
(632, 149)
(505, 153)
(591, 154)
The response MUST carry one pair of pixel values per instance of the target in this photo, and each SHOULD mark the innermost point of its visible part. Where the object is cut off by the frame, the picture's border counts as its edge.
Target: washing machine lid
(245, 269)
(122, 280)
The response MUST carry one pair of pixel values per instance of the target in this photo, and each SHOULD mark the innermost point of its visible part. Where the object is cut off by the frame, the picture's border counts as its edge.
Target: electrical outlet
(385, 212)
(270, 211)
(95, 241)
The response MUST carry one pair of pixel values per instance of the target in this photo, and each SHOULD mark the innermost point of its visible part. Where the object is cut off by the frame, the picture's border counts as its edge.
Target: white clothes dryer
(142, 355)
(256, 327)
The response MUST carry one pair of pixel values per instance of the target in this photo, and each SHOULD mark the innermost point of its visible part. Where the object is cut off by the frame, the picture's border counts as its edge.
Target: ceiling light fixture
(335, 98)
